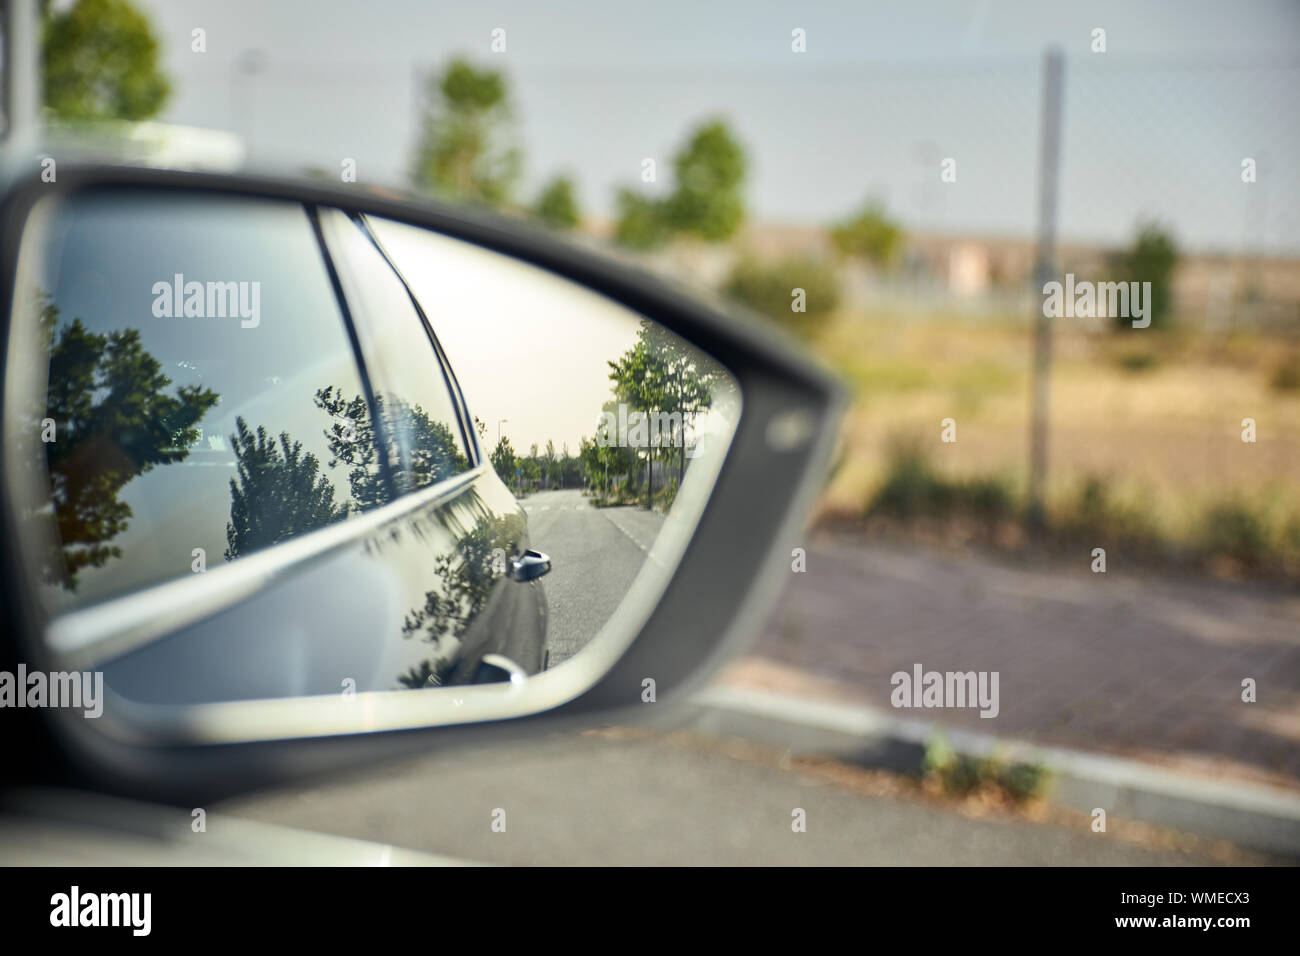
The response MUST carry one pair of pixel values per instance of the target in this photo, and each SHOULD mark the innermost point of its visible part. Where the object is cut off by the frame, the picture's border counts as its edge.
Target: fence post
(22, 69)
(1049, 168)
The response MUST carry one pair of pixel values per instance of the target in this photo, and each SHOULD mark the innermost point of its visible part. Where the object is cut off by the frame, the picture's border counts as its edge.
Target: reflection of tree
(687, 378)
(466, 576)
(427, 449)
(603, 457)
(351, 438)
(422, 451)
(427, 674)
(113, 422)
(278, 492)
(662, 373)
(504, 461)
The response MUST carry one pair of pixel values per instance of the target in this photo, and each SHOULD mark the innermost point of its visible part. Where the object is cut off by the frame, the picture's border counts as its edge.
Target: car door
(242, 507)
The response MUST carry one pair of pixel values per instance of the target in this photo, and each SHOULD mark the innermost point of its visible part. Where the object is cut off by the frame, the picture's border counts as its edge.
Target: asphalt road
(595, 554)
(653, 799)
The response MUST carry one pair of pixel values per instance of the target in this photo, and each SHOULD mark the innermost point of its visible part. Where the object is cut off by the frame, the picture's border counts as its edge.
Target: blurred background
(891, 184)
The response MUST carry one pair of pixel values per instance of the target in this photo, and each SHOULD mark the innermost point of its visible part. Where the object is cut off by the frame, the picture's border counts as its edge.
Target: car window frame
(338, 253)
(469, 436)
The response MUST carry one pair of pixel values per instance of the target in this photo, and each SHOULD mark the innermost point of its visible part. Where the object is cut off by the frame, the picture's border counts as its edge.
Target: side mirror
(267, 484)
(530, 566)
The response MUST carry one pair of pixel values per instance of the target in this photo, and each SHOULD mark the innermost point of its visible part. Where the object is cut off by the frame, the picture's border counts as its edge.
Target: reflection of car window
(195, 345)
(411, 393)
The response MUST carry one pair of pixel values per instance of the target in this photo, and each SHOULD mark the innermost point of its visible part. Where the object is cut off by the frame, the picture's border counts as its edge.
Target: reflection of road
(595, 554)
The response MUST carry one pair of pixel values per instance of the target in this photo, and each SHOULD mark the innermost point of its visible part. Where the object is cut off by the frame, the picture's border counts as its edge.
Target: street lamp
(500, 421)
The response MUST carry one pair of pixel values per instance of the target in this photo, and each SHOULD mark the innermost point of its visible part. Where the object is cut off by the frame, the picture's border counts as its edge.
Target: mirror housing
(726, 581)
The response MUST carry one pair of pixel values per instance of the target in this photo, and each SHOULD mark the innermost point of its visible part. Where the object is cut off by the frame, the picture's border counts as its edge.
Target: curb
(1249, 815)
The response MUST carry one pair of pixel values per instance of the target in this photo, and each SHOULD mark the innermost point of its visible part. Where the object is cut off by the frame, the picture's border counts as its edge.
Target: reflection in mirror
(273, 453)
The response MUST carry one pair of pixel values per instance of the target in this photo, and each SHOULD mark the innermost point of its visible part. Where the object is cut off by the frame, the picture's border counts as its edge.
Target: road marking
(627, 533)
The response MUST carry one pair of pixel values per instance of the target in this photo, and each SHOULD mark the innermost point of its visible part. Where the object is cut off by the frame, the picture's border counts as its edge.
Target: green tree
(641, 222)
(100, 62)
(1153, 258)
(556, 206)
(465, 151)
(708, 200)
(551, 464)
(277, 492)
(532, 467)
(686, 380)
(868, 234)
(504, 461)
(572, 470)
(603, 459)
(637, 378)
(589, 456)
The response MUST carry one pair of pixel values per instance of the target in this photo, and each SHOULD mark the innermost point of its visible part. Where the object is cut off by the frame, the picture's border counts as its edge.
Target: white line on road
(625, 531)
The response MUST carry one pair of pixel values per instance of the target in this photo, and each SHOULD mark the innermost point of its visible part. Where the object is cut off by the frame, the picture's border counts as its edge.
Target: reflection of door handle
(529, 566)
(494, 668)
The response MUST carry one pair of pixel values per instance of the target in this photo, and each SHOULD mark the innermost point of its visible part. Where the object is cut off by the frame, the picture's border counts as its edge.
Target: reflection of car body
(371, 546)
(362, 614)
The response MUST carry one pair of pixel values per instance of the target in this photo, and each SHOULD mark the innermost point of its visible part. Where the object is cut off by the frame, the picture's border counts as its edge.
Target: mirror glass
(276, 454)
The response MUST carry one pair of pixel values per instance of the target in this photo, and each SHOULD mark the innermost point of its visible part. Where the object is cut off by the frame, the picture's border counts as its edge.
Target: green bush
(1153, 258)
(1286, 376)
(557, 206)
(1261, 538)
(913, 489)
(1136, 360)
(869, 234)
(1094, 516)
(959, 775)
(768, 287)
(1237, 531)
(1023, 781)
(641, 224)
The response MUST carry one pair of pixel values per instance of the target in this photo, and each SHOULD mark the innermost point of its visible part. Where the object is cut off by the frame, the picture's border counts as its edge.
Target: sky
(1155, 127)
(529, 349)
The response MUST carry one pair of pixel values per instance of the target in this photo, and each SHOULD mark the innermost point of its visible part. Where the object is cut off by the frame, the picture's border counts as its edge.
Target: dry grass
(1156, 416)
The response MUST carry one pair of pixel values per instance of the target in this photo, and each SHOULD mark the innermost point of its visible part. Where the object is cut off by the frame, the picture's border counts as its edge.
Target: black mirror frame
(726, 582)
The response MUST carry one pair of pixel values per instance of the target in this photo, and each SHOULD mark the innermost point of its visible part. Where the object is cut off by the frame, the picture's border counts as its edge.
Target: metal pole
(1049, 169)
(22, 69)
